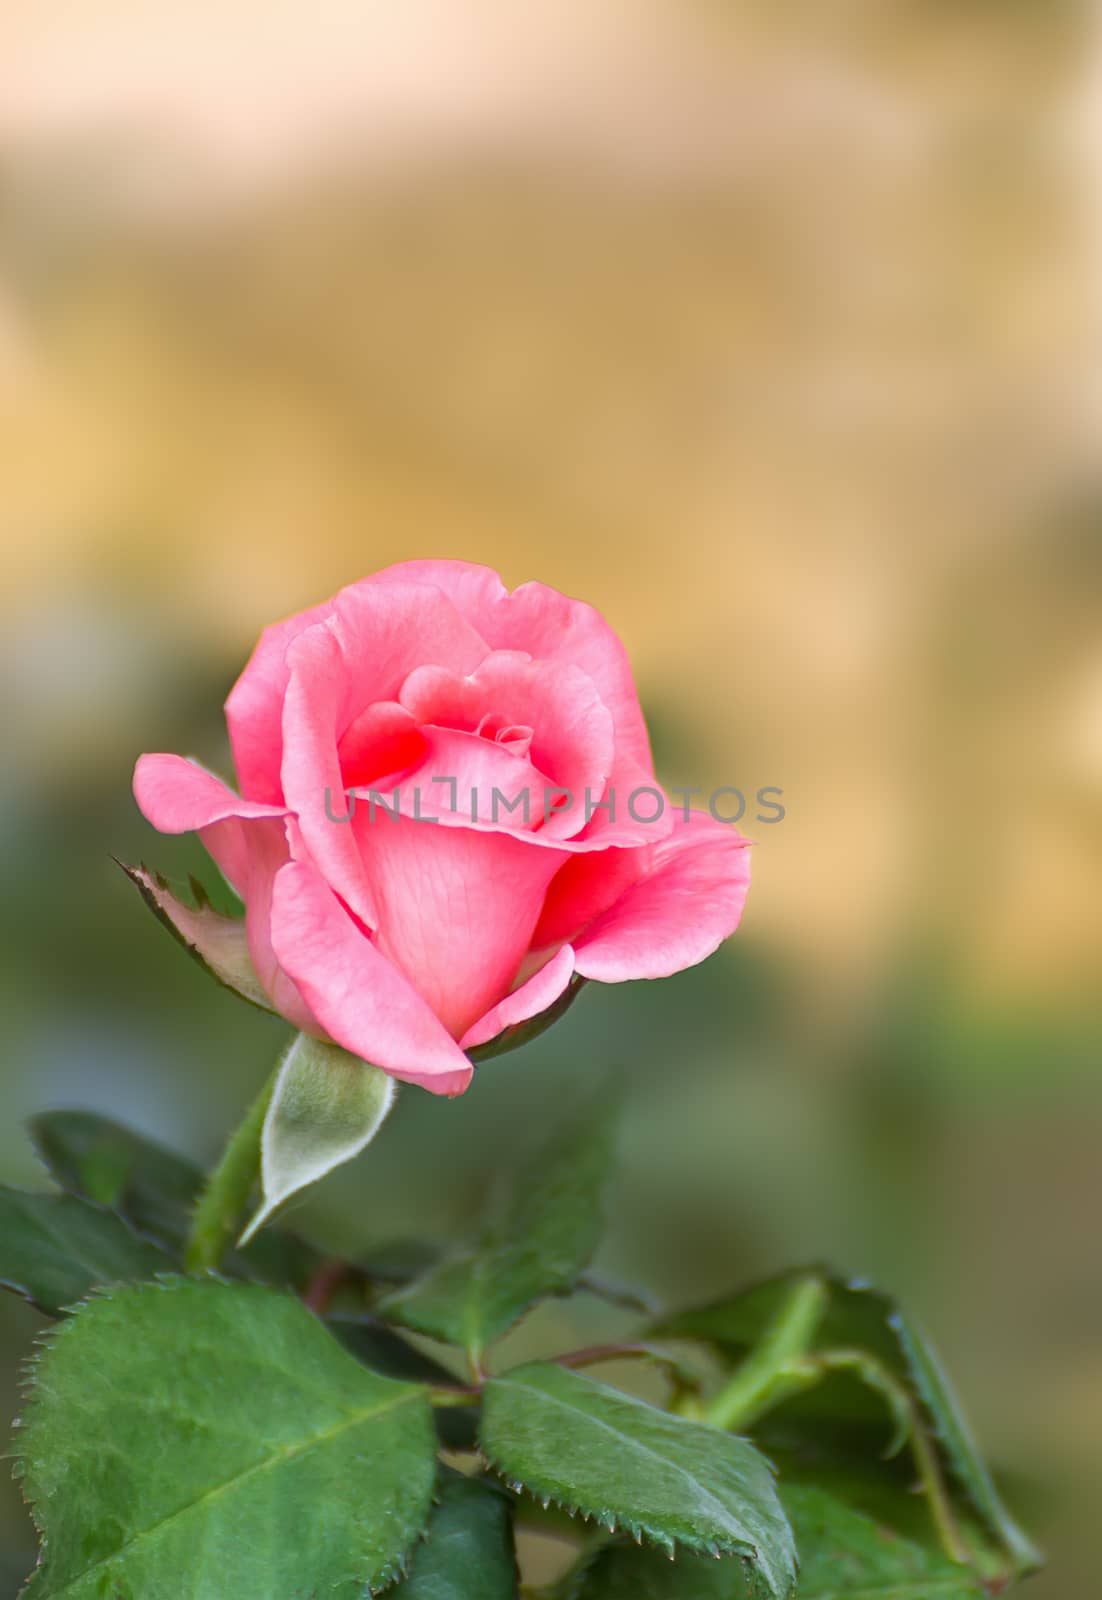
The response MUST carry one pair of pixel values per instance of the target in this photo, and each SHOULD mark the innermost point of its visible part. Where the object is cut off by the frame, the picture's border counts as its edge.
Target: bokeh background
(773, 330)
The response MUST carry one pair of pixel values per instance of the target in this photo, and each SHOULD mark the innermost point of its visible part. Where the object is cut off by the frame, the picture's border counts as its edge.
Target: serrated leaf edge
(44, 1344)
(608, 1520)
(1022, 1552)
(612, 1524)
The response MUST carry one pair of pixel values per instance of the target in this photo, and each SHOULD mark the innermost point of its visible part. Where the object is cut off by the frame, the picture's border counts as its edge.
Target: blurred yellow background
(772, 329)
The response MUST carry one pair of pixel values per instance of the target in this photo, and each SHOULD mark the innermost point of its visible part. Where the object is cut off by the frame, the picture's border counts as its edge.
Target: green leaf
(550, 1225)
(468, 1554)
(625, 1296)
(566, 1438)
(214, 1435)
(958, 1445)
(844, 1555)
(54, 1248)
(153, 1187)
(216, 942)
(857, 1317)
(326, 1107)
(852, 1315)
(387, 1352)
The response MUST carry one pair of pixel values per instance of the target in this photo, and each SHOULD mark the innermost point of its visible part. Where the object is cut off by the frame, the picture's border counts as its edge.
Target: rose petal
(552, 628)
(248, 841)
(540, 991)
(381, 741)
(548, 626)
(456, 907)
(180, 796)
(686, 901)
(496, 791)
(267, 853)
(465, 780)
(585, 887)
(572, 737)
(359, 997)
(254, 706)
(375, 637)
(634, 810)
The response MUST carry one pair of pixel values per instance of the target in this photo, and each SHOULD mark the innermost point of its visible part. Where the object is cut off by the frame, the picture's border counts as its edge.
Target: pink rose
(422, 692)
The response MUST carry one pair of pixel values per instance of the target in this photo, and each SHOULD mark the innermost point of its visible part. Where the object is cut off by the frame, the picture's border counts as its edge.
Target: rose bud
(448, 816)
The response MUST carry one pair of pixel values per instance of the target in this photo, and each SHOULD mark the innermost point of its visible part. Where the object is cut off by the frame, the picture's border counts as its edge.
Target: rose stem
(227, 1190)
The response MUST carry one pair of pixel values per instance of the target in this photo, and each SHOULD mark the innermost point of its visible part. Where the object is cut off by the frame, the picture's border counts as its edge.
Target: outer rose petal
(585, 888)
(180, 796)
(268, 853)
(632, 821)
(541, 991)
(374, 638)
(687, 900)
(548, 625)
(254, 707)
(358, 996)
(248, 841)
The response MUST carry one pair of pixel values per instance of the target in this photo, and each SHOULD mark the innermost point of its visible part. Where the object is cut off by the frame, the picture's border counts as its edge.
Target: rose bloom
(416, 693)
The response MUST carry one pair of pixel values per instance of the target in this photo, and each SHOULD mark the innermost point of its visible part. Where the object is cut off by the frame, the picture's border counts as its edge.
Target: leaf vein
(280, 1458)
(724, 1516)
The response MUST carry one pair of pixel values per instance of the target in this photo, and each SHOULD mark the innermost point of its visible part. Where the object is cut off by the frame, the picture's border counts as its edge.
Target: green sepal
(217, 942)
(522, 1033)
(326, 1106)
